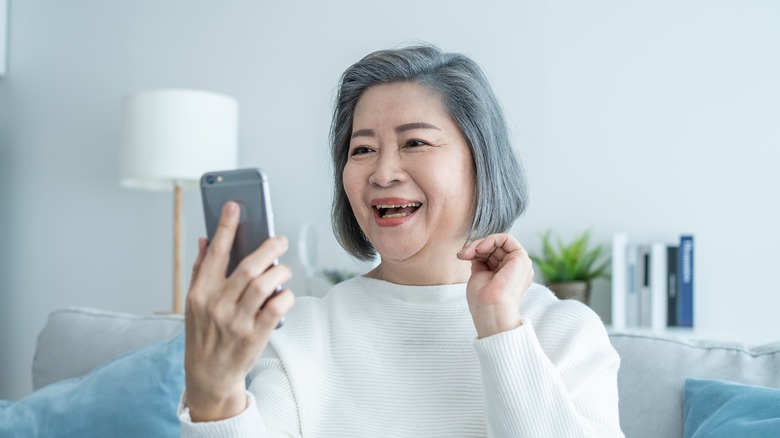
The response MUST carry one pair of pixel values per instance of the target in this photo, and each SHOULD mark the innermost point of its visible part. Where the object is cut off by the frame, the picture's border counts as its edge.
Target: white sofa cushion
(653, 370)
(75, 340)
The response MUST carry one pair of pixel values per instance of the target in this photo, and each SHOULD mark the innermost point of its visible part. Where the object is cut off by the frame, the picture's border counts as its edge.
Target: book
(671, 286)
(685, 279)
(652, 285)
(645, 310)
(632, 286)
(659, 285)
(619, 280)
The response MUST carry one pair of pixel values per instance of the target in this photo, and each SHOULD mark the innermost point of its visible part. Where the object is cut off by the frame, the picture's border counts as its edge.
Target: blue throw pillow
(133, 395)
(714, 408)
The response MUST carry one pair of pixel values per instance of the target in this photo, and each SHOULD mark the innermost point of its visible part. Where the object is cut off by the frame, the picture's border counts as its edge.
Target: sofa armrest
(77, 339)
(653, 370)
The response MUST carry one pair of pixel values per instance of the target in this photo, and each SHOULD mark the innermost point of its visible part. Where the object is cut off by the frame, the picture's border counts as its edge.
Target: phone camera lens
(210, 179)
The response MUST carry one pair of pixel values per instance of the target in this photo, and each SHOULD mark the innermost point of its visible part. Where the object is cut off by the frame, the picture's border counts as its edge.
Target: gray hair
(501, 188)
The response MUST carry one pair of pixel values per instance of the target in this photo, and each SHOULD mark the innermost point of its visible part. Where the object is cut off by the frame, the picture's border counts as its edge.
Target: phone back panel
(249, 188)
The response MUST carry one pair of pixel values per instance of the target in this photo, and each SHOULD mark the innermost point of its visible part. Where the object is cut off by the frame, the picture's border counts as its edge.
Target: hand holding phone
(230, 320)
(250, 190)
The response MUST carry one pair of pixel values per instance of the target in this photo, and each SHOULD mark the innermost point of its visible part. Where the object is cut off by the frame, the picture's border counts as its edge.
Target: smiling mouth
(390, 211)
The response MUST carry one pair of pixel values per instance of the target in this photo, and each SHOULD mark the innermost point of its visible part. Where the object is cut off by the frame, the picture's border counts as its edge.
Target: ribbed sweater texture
(377, 359)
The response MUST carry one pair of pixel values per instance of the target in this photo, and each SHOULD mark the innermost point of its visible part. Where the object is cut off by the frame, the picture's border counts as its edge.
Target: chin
(396, 254)
(394, 257)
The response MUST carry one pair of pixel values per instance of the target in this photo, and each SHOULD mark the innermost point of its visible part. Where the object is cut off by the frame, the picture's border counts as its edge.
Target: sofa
(651, 382)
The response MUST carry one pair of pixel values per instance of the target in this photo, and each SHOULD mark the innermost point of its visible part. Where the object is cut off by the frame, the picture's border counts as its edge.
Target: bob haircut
(501, 191)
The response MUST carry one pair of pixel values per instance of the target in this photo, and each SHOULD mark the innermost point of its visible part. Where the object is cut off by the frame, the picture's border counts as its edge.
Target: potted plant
(568, 269)
(336, 276)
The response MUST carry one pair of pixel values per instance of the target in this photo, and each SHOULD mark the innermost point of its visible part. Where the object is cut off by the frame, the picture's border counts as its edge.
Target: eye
(360, 150)
(415, 143)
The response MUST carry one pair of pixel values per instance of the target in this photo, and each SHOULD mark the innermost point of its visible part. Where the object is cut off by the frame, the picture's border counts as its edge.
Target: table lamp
(170, 138)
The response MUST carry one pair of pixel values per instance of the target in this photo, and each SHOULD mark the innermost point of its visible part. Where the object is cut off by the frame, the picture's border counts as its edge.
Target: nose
(388, 170)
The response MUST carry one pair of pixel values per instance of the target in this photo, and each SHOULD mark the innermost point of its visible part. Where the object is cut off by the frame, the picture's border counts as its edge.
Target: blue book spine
(685, 281)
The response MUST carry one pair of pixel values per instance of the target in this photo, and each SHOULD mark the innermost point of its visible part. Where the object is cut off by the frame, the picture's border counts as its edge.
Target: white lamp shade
(174, 136)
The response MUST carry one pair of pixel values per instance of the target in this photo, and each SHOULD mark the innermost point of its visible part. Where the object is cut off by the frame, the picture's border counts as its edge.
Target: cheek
(352, 186)
(460, 186)
(449, 191)
(470, 191)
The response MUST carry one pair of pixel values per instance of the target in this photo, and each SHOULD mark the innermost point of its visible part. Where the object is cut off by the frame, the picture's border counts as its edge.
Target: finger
(218, 254)
(268, 318)
(260, 289)
(468, 252)
(494, 262)
(505, 241)
(516, 269)
(497, 254)
(488, 261)
(254, 265)
(494, 252)
(495, 244)
(202, 245)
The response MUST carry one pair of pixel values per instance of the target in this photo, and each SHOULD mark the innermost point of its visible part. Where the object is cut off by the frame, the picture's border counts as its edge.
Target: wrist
(207, 405)
(492, 322)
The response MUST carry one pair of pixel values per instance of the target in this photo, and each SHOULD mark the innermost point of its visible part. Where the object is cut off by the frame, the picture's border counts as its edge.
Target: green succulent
(336, 276)
(573, 262)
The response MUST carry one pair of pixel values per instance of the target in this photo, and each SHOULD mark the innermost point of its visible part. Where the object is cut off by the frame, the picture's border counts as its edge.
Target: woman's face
(409, 176)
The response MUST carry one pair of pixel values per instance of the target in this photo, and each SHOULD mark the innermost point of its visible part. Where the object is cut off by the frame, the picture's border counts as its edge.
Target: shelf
(720, 335)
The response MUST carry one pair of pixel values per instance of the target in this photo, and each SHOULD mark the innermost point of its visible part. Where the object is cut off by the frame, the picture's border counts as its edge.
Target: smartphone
(249, 188)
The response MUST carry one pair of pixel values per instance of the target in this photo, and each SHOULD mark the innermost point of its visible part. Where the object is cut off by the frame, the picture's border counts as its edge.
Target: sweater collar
(409, 293)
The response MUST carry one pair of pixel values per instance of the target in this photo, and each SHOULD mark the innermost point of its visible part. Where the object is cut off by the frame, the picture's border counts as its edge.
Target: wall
(7, 330)
(652, 119)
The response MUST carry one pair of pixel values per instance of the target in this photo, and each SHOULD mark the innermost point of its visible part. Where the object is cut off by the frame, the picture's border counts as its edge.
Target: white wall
(653, 119)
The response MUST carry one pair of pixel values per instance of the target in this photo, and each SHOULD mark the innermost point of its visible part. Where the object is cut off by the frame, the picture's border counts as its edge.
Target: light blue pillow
(133, 395)
(715, 408)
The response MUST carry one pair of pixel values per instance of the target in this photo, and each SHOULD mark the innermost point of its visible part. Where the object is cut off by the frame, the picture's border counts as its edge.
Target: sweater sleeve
(271, 410)
(568, 387)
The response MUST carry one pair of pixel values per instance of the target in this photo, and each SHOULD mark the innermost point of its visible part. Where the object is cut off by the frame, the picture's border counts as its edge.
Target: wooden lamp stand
(177, 242)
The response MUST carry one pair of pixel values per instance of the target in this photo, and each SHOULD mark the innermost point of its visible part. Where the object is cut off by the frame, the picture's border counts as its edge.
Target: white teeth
(396, 215)
(411, 204)
(389, 216)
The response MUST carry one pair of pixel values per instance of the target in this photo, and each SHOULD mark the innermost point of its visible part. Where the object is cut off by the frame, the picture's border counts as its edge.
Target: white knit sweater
(377, 359)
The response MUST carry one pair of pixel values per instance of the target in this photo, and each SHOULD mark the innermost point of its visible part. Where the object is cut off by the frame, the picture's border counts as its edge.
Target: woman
(447, 336)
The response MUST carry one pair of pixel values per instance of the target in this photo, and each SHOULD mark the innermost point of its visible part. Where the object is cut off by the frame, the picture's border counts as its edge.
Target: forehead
(398, 103)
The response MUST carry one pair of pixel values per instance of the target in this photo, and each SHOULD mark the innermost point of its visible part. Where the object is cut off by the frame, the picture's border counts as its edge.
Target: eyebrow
(398, 129)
